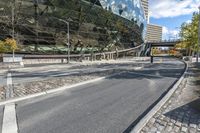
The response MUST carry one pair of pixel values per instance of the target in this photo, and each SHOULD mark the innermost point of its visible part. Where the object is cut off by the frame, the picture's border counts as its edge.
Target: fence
(38, 59)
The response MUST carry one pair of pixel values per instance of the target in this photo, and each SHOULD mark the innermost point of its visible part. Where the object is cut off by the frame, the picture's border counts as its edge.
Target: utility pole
(68, 51)
(13, 27)
(68, 43)
(36, 23)
(197, 60)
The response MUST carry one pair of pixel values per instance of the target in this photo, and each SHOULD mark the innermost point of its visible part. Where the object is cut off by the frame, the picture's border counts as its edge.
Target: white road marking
(9, 119)
(138, 68)
(9, 79)
(55, 90)
(65, 74)
(9, 88)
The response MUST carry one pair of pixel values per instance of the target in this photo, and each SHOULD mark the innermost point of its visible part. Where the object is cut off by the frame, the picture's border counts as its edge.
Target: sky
(171, 14)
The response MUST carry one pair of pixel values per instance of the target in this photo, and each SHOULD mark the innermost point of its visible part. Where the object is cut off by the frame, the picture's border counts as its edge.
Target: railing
(77, 55)
(165, 41)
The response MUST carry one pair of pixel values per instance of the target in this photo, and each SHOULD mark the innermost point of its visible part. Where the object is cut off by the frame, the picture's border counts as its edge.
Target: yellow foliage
(181, 45)
(156, 51)
(2, 47)
(11, 43)
(173, 52)
(8, 45)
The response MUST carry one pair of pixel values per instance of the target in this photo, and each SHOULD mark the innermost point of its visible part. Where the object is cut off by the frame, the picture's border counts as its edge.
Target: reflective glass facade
(129, 9)
(101, 25)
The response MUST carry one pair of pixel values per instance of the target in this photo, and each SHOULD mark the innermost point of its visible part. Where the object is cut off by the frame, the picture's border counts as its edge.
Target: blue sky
(171, 14)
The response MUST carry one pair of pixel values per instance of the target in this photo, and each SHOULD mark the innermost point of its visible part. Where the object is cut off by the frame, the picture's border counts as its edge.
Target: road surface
(107, 106)
(112, 105)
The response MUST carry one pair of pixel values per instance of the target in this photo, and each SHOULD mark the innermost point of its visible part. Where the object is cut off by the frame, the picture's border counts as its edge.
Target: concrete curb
(58, 89)
(158, 106)
(4, 71)
(49, 91)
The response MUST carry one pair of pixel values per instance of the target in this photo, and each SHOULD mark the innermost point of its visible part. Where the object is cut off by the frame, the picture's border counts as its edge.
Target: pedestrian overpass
(149, 45)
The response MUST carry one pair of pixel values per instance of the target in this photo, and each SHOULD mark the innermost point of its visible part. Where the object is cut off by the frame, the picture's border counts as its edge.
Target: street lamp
(68, 45)
(13, 28)
(198, 38)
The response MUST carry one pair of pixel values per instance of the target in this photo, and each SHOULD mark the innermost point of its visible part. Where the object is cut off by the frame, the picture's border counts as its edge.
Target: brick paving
(2, 93)
(23, 89)
(181, 113)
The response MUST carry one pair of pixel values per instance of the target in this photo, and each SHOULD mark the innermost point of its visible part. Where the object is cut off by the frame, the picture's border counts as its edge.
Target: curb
(158, 106)
(57, 89)
(4, 70)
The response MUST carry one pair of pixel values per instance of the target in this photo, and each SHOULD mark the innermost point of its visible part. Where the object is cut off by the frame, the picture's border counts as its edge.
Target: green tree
(189, 34)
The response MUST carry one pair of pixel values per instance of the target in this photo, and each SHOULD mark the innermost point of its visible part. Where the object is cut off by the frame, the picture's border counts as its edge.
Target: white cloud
(172, 8)
(170, 34)
(188, 21)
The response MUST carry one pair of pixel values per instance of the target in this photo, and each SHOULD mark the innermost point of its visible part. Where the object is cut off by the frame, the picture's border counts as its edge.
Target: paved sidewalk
(2, 93)
(181, 114)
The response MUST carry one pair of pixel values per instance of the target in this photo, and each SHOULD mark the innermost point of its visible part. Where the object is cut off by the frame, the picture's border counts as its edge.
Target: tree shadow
(150, 74)
(187, 114)
(196, 82)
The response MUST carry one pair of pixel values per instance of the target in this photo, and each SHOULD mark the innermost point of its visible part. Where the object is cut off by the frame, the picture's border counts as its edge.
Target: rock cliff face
(92, 25)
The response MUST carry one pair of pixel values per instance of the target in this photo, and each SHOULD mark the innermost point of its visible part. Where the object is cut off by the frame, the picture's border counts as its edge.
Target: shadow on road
(187, 114)
(150, 74)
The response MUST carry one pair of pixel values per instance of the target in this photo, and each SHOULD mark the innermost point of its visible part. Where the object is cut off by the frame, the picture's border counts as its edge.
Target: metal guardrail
(73, 55)
(165, 41)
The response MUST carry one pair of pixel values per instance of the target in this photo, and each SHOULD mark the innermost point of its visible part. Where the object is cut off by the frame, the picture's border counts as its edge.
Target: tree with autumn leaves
(8, 45)
(189, 35)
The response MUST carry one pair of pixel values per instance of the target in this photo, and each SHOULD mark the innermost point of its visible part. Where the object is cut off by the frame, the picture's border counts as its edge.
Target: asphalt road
(46, 71)
(107, 106)
(3, 78)
(1, 117)
(35, 74)
(43, 72)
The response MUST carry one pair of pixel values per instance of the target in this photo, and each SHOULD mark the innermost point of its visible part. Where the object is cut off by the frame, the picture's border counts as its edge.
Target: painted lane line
(9, 79)
(9, 119)
(9, 88)
(65, 74)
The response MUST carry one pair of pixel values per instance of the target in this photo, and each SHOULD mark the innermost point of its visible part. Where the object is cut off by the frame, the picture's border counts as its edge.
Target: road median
(33, 89)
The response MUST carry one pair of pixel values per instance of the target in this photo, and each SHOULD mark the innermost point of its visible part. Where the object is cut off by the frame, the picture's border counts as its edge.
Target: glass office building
(128, 9)
(100, 24)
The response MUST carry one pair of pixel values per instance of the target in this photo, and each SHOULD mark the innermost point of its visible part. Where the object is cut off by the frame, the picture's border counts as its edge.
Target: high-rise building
(145, 4)
(154, 33)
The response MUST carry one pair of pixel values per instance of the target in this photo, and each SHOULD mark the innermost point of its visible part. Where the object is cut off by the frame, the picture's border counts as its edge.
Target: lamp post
(68, 45)
(36, 23)
(197, 60)
(13, 28)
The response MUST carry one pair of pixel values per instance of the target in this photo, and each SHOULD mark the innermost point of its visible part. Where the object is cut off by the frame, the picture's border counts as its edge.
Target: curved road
(107, 106)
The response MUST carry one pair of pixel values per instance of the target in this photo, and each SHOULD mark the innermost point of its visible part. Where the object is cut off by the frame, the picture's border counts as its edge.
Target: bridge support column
(151, 59)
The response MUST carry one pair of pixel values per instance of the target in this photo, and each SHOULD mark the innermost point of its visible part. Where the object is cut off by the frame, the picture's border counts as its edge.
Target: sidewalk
(181, 114)
(16, 66)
